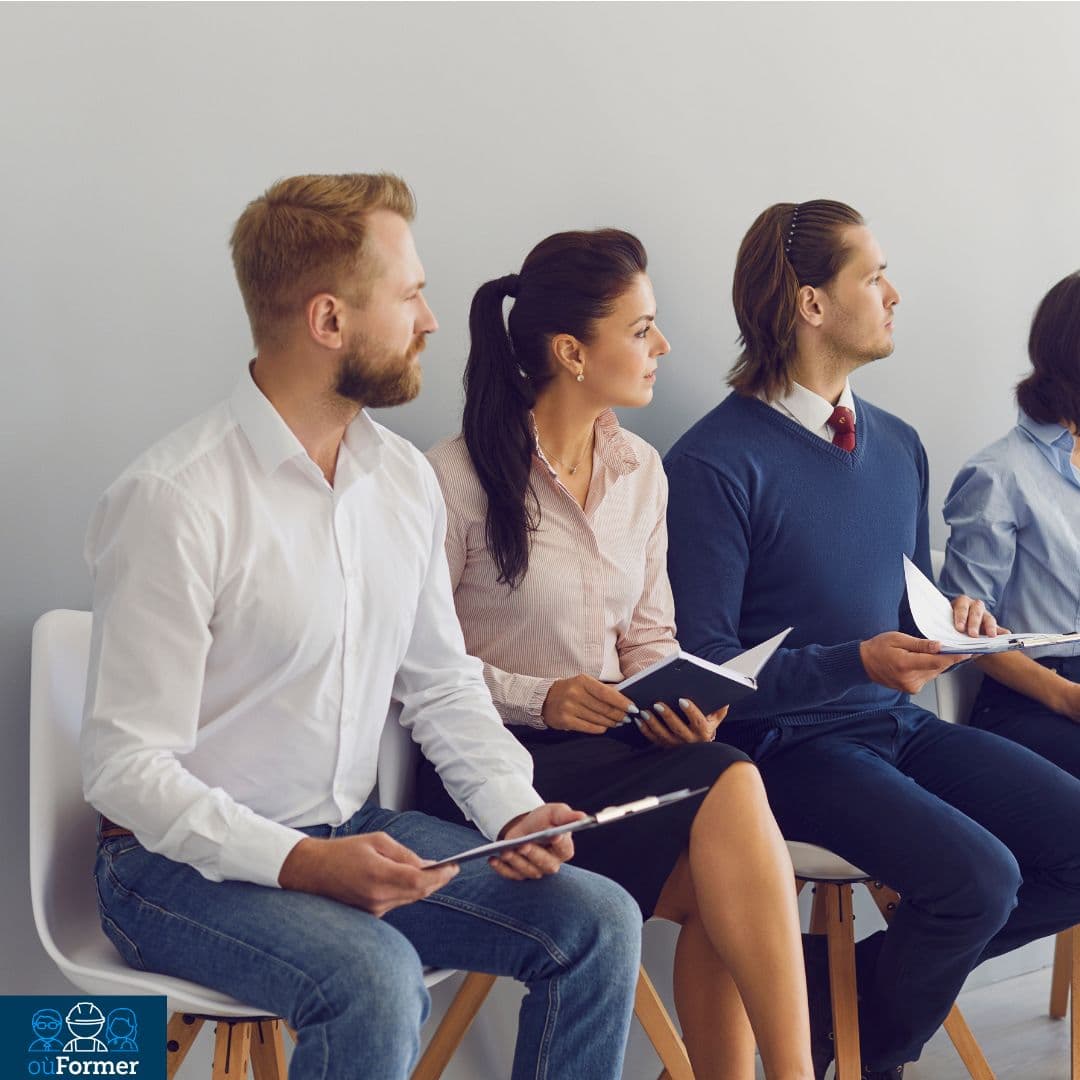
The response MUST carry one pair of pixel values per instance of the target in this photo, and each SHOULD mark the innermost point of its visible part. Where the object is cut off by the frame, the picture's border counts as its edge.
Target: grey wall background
(133, 135)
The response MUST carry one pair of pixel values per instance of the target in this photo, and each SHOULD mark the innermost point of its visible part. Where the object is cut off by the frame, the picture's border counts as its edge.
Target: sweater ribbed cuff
(842, 668)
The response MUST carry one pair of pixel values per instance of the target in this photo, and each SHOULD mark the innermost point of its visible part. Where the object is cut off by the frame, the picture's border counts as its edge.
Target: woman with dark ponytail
(556, 541)
(1014, 509)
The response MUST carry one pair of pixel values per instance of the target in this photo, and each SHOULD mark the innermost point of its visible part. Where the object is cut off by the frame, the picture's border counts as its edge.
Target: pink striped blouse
(595, 598)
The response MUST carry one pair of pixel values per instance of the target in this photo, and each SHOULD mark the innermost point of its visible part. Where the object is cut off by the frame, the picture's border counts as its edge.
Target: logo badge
(101, 1036)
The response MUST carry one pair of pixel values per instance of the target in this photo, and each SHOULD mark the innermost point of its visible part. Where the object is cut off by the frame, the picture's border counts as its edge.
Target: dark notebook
(709, 686)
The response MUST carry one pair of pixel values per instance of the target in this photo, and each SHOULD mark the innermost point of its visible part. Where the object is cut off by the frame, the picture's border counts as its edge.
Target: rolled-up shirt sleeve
(448, 708)
(981, 548)
(151, 551)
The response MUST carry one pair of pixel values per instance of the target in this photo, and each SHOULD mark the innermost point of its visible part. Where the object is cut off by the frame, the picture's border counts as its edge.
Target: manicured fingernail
(660, 708)
(632, 709)
(626, 719)
(646, 716)
(684, 704)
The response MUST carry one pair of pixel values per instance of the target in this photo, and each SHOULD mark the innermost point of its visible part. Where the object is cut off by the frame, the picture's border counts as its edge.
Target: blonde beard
(371, 377)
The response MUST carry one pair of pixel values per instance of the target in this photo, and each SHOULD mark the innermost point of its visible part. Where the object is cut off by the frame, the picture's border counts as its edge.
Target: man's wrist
(302, 868)
(509, 825)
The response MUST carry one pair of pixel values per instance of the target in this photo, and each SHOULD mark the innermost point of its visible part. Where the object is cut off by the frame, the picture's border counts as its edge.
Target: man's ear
(325, 327)
(811, 305)
(569, 354)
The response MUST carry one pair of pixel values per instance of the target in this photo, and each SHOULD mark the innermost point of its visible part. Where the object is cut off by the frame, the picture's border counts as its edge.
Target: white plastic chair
(62, 847)
(957, 689)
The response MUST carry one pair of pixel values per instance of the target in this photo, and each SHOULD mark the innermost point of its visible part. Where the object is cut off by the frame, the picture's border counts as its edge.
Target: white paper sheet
(933, 616)
(753, 660)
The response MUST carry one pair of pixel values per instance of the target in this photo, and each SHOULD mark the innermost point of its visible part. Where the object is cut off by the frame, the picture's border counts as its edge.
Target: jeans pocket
(127, 948)
(119, 846)
(111, 899)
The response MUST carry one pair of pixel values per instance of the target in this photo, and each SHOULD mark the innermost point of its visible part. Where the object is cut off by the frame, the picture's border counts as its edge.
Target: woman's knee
(737, 797)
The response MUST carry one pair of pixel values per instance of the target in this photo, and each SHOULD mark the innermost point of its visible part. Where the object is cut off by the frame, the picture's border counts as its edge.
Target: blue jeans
(351, 984)
(977, 834)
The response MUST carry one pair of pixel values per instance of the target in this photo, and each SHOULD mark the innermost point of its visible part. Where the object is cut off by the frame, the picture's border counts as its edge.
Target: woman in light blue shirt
(1014, 510)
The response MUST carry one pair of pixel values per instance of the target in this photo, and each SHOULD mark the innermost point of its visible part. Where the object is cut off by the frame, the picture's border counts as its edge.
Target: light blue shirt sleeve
(981, 549)
(1014, 514)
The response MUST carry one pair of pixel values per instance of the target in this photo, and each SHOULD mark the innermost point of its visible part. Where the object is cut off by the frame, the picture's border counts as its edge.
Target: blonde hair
(304, 236)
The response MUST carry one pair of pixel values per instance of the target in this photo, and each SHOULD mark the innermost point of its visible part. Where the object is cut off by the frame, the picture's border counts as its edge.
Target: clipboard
(933, 615)
(590, 821)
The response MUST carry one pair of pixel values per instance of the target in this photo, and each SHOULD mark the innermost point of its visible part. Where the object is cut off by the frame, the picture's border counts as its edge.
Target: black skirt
(593, 771)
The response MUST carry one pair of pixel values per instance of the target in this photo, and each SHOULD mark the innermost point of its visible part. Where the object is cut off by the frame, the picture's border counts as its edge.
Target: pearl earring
(581, 376)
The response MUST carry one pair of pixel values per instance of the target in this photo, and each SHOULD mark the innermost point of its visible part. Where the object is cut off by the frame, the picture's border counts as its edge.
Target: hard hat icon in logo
(85, 1021)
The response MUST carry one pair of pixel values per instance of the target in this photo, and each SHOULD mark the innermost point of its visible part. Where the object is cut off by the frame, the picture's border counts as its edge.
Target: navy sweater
(771, 526)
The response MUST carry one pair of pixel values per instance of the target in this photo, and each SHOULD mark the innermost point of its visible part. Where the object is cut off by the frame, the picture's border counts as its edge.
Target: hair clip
(791, 231)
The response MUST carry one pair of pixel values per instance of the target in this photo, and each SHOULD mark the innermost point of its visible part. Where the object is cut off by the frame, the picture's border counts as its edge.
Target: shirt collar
(1048, 434)
(812, 410)
(274, 442)
(612, 445)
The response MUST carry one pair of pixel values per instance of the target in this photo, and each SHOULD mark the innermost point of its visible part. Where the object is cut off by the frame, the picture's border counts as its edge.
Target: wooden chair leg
(181, 1033)
(956, 1027)
(840, 929)
(232, 1050)
(1074, 1017)
(267, 1051)
(817, 911)
(454, 1025)
(662, 1033)
(1059, 981)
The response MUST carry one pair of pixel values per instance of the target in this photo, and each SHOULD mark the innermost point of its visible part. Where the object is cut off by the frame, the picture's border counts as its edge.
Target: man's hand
(371, 871)
(535, 860)
(971, 617)
(902, 662)
(585, 704)
(665, 727)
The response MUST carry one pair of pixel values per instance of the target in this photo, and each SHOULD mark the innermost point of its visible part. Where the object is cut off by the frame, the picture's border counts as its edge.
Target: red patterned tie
(842, 422)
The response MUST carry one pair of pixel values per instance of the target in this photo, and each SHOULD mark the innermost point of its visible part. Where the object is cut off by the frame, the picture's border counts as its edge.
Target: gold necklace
(571, 469)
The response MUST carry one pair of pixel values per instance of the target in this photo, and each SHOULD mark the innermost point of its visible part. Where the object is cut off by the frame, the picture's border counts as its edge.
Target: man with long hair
(792, 503)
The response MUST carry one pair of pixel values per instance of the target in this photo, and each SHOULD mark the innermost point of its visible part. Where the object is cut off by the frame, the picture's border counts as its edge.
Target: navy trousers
(1015, 716)
(980, 836)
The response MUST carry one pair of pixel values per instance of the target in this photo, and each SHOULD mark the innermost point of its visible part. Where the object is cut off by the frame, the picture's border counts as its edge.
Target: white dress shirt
(812, 410)
(254, 626)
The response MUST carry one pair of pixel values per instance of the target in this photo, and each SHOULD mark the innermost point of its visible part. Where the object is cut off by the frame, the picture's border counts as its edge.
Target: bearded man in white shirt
(269, 586)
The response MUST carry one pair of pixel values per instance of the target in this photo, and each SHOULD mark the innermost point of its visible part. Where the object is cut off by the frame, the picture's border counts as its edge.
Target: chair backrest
(62, 825)
(956, 689)
(398, 756)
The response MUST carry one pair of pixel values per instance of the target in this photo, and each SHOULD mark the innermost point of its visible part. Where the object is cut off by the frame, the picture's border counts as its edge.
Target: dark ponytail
(567, 282)
(788, 246)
